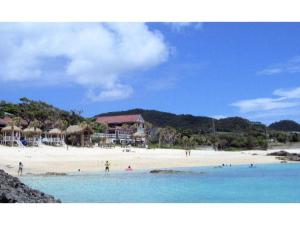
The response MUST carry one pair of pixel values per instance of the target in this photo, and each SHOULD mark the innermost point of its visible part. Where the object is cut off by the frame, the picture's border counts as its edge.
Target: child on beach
(20, 170)
(107, 164)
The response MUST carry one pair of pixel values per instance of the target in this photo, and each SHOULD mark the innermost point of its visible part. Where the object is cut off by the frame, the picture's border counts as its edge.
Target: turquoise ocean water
(277, 183)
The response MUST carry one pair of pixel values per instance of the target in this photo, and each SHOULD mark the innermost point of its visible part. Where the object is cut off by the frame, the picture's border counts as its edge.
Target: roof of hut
(32, 130)
(10, 128)
(77, 129)
(55, 131)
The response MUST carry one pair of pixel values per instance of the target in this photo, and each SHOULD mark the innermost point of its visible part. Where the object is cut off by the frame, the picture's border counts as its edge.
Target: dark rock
(54, 174)
(279, 153)
(173, 172)
(12, 190)
(285, 156)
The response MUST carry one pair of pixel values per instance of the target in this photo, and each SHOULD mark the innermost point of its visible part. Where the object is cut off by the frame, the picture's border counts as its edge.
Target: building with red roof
(124, 128)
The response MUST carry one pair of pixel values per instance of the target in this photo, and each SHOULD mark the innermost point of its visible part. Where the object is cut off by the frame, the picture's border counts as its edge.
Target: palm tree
(185, 141)
(35, 124)
(168, 135)
(148, 127)
(192, 141)
(62, 124)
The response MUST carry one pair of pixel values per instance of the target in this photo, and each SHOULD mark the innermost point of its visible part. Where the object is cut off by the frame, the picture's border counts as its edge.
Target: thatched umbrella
(56, 133)
(11, 133)
(82, 131)
(32, 134)
(32, 131)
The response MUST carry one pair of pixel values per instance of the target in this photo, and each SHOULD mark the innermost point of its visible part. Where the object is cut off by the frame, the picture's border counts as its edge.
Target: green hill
(285, 125)
(195, 124)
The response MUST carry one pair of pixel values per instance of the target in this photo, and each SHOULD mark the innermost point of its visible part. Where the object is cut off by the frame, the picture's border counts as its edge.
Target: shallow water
(263, 183)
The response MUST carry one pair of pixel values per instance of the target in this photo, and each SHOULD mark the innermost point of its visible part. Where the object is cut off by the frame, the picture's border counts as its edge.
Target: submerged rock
(54, 174)
(286, 156)
(12, 190)
(174, 172)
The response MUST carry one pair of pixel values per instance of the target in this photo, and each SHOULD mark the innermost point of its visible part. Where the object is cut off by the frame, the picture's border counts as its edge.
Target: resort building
(124, 129)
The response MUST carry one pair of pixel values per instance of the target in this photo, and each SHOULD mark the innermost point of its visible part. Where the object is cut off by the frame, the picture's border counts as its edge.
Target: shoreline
(40, 160)
(143, 170)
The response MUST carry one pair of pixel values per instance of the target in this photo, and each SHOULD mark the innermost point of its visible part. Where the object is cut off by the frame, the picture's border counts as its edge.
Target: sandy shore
(44, 159)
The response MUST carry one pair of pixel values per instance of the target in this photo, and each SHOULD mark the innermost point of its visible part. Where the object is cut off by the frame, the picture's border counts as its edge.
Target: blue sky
(210, 69)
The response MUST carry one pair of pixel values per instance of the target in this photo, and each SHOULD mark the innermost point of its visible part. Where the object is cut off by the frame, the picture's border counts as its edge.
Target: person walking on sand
(107, 164)
(20, 170)
(190, 152)
(186, 153)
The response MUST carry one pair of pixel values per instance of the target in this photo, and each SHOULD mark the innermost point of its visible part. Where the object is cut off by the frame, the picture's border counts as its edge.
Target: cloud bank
(286, 102)
(97, 56)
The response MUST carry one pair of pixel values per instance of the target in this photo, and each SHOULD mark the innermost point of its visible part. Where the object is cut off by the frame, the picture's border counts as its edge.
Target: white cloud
(291, 93)
(96, 56)
(285, 103)
(118, 92)
(291, 66)
(263, 104)
(179, 26)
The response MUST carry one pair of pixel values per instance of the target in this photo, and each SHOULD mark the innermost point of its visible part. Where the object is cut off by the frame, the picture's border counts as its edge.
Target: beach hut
(55, 137)
(79, 135)
(11, 135)
(32, 136)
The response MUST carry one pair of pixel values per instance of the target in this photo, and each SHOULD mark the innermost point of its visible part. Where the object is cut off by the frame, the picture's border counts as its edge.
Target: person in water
(129, 168)
(107, 164)
(20, 170)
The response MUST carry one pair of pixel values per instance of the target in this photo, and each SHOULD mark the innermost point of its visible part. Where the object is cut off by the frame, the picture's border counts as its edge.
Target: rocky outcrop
(286, 156)
(12, 190)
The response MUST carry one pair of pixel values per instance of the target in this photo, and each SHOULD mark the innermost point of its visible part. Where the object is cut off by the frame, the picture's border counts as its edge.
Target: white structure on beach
(33, 136)
(11, 136)
(55, 137)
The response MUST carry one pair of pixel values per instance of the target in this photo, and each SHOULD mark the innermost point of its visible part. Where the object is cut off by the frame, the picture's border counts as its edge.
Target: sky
(250, 70)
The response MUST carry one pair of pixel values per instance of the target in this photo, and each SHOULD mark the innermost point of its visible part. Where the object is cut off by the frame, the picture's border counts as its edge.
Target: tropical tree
(168, 135)
(192, 141)
(62, 124)
(99, 127)
(185, 142)
(35, 124)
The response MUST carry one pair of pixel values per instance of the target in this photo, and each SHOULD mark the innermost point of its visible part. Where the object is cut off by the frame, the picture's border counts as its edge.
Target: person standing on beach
(190, 152)
(20, 170)
(107, 164)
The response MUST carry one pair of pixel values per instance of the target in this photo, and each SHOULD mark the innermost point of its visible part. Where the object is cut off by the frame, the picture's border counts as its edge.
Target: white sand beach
(44, 159)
